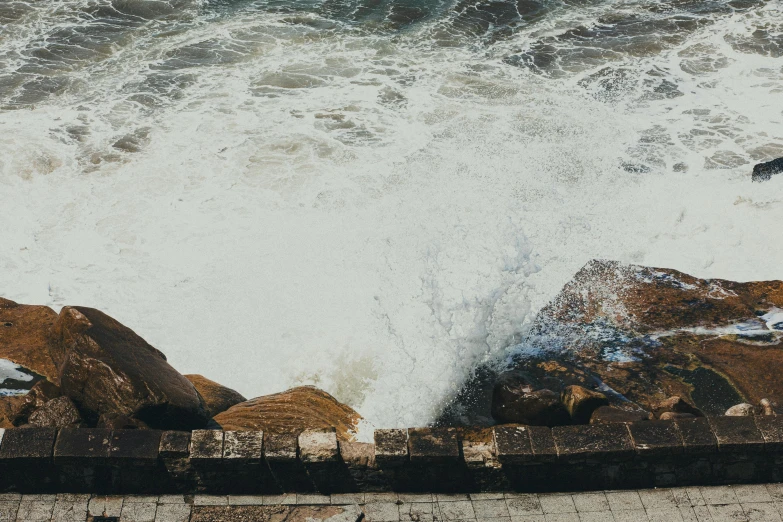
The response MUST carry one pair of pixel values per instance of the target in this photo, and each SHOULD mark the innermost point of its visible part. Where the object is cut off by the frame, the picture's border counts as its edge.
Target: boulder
(606, 414)
(25, 338)
(675, 404)
(741, 410)
(8, 406)
(57, 413)
(581, 402)
(292, 411)
(766, 407)
(40, 394)
(217, 397)
(520, 405)
(764, 171)
(673, 415)
(105, 367)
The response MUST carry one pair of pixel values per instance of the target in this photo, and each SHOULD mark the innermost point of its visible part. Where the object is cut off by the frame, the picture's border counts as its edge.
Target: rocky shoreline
(620, 343)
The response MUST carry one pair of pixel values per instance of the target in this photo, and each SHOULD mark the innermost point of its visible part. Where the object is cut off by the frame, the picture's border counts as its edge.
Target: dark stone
(82, 446)
(57, 413)
(607, 414)
(764, 171)
(243, 446)
(28, 444)
(433, 444)
(697, 436)
(542, 443)
(136, 446)
(737, 434)
(515, 404)
(106, 368)
(174, 444)
(512, 444)
(771, 428)
(118, 421)
(676, 404)
(391, 447)
(206, 445)
(581, 402)
(602, 442)
(656, 438)
(41, 393)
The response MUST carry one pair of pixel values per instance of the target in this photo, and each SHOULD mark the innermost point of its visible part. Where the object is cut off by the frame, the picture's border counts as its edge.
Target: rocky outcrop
(292, 411)
(57, 413)
(25, 338)
(106, 368)
(217, 397)
(26, 405)
(764, 171)
(581, 402)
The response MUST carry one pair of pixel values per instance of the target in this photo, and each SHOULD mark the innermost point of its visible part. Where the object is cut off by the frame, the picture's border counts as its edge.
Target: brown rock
(57, 413)
(766, 407)
(25, 337)
(517, 404)
(40, 394)
(8, 406)
(676, 404)
(107, 368)
(581, 402)
(606, 414)
(673, 415)
(741, 410)
(217, 397)
(292, 411)
(118, 421)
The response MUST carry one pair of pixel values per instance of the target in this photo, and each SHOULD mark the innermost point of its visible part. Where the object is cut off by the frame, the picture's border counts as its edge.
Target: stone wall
(703, 451)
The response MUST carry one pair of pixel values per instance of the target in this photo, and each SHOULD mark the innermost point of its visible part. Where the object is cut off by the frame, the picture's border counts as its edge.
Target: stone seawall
(705, 451)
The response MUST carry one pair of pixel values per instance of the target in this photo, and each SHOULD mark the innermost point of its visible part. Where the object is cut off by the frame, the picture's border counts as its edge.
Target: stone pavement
(750, 503)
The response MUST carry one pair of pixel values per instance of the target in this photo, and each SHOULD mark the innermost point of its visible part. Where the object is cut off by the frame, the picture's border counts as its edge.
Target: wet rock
(605, 414)
(25, 338)
(581, 402)
(217, 397)
(672, 415)
(292, 411)
(106, 368)
(741, 410)
(535, 408)
(118, 421)
(766, 407)
(676, 404)
(57, 413)
(40, 394)
(764, 171)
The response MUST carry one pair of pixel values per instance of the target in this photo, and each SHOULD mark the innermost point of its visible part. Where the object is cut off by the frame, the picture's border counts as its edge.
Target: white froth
(373, 216)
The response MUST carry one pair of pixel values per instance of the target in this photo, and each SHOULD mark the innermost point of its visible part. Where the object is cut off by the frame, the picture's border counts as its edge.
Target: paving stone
(761, 512)
(490, 508)
(715, 495)
(727, 513)
(347, 498)
(596, 516)
(752, 493)
(415, 497)
(68, 510)
(624, 500)
(695, 496)
(138, 512)
(702, 513)
(440, 497)
(680, 496)
(775, 491)
(486, 496)
(382, 512)
(562, 517)
(417, 512)
(529, 518)
(312, 499)
(35, 510)
(7, 497)
(498, 519)
(687, 514)
(105, 506)
(657, 499)
(146, 499)
(173, 513)
(457, 510)
(210, 500)
(557, 503)
(8, 510)
(671, 514)
(245, 500)
(285, 499)
(630, 515)
(171, 499)
(590, 502)
(46, 498)
(380, 497)
(523, 504)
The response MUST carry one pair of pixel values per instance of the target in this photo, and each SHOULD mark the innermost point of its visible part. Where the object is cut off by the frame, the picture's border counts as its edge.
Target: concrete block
(391, 447)
(737, 434)
(512, 444)
(656, 438)
(433, 445)
(174, 444)
(173, 513)
(83, 447)
(697, 436)
(105, 506)
(542, 444)
(28, 444)
(771, 428)
(281, 452)
(135, 447)
(206, 445)
(602, 442)
(35, 510)
(243, 446)
(138, 512)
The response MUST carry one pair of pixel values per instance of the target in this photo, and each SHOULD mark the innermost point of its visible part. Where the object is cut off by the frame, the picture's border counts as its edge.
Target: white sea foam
(374, 215)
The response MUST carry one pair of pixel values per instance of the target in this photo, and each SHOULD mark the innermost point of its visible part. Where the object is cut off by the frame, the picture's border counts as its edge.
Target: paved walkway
(754, 503)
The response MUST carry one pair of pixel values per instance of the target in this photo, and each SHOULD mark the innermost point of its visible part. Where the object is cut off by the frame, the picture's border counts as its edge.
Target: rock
(519, 405)
(106, 368)
(605, 414)
(676, 404)
(217, 397)
(766, 407)
(57, 413)
(25, 338)
(118, 421)
(581, 402)
(764, 171)
(672, 415)
(292, 411)
(8, 406)
(741, 410)
(40, 394)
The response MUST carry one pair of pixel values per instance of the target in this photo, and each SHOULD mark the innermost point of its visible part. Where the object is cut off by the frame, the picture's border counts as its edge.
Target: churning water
(374, 196)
